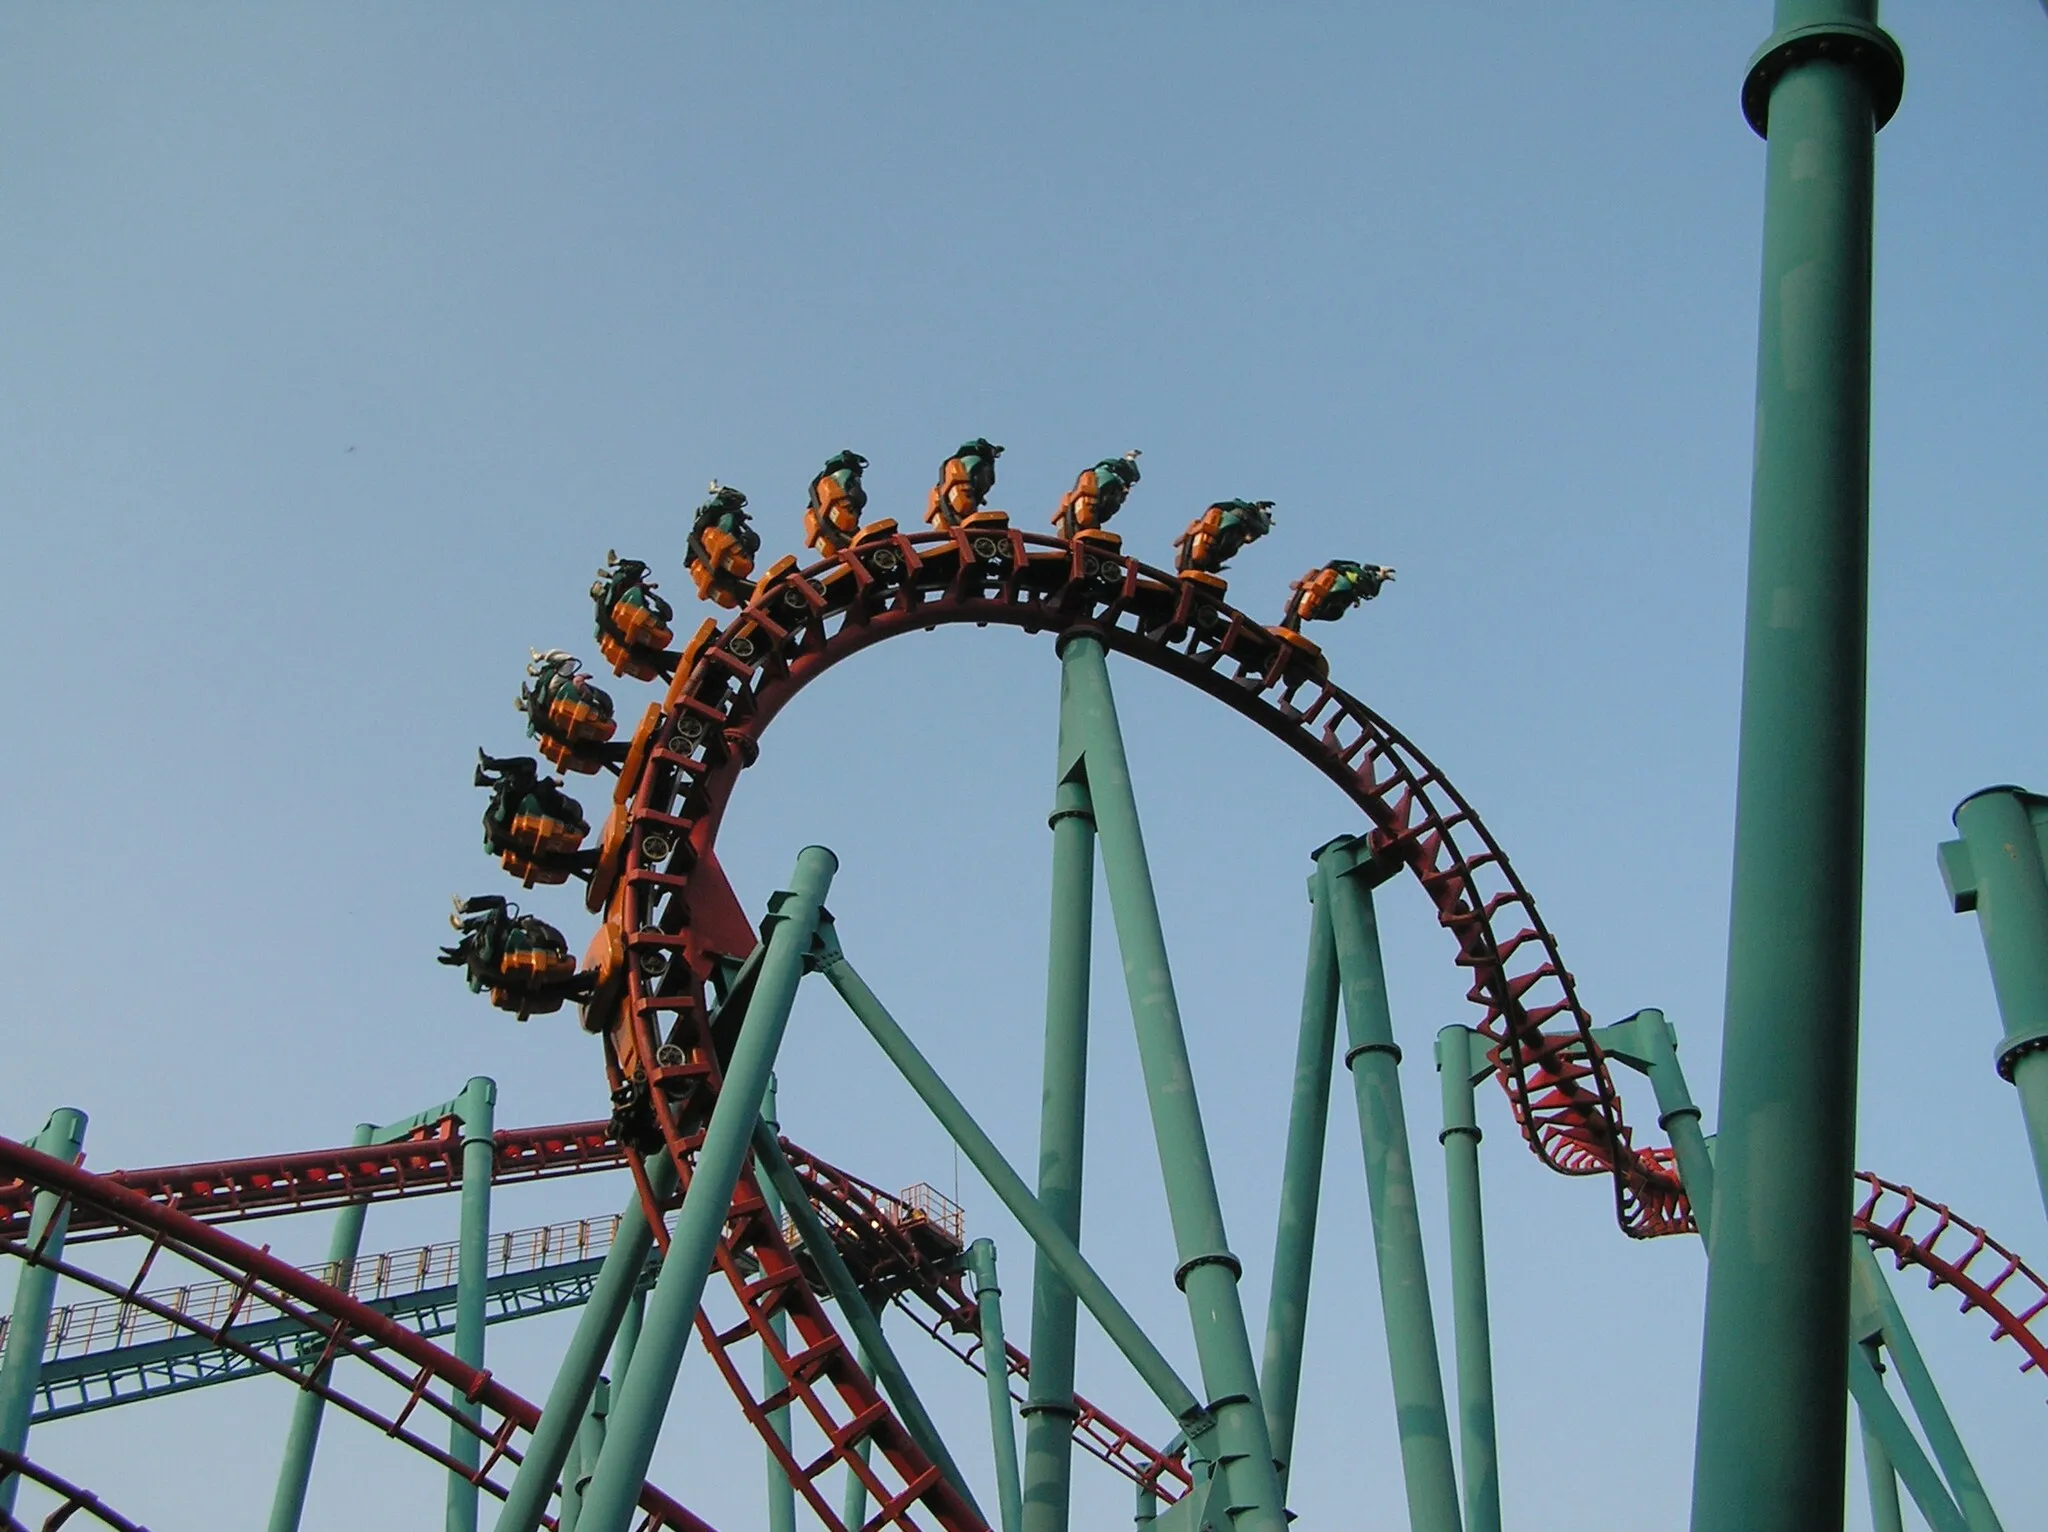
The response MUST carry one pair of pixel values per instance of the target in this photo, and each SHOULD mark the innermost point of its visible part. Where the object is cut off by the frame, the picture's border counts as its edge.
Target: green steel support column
(1207, 1272)
(295, 1472)
(589, 1443)
(1874, 1296)
(862, 1319)
(853, 1504)
(574, 1476)
(1881, 1481)
(1374, 1060)
(1882, 1419)
(1009, 1187)
(1996, 869)
(28, 1323)
(988, 1298)
(781, 1493)
(1301, 1184)
(475, 1110)
(1770, 1445)
(643, 1394)
(1049, 1412)
(613, 1308)
(1461, 1063)
(1647, 1042)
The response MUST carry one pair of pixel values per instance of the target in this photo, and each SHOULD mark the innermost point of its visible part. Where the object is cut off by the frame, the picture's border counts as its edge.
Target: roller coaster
(798, 1279)
(685, 997)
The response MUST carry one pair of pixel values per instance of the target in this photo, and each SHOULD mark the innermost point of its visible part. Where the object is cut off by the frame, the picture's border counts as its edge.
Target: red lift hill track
(669, 920)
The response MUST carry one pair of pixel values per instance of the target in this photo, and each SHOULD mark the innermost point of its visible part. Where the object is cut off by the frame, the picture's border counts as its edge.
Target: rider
(1097, 495)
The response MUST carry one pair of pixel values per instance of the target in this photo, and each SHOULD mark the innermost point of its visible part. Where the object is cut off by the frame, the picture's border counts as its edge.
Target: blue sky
(343, 341)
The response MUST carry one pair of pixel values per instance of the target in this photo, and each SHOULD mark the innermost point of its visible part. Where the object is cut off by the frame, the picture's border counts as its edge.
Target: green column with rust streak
(475, 1114)
(1771, 1437)
(302, 1436)
(1461, 1063)
(1427, 1470)
(28, 1322)
(1996, 869)
(1049, 1412)
(641, 1401)
(1301, 1184)
(1207, 1272)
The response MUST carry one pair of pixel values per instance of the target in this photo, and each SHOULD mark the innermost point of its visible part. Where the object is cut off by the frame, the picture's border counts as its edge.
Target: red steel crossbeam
(222, 1191)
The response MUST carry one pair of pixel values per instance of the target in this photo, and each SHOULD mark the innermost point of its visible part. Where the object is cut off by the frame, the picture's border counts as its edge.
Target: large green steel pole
(611, 1311)
(642, 1398)
(1123, 1331)
(1461, 1062)
(1207, 1272)
(1769, 1452)
(589, 1443)
(995, 1356)
(1996, 869)
(302, 1437)
(1049, 1412)
(475, 1113)
(1301, 1184)
(1427, 1470)
(781, 1493)
(28, 1322)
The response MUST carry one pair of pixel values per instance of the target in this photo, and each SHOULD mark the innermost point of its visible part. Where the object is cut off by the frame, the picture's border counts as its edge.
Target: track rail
(70, 1500)
(223, 1191)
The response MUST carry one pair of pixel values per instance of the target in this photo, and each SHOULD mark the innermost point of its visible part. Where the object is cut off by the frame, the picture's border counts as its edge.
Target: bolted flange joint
(1212, 1258)
(1863, 46)
(2012, 1048)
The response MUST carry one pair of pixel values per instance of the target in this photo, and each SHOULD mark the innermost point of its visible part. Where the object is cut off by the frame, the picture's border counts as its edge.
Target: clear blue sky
(341, 342)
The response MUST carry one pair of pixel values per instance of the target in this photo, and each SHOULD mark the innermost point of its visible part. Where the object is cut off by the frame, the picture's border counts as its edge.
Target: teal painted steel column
(1771, 1437)
(574, 1478)
(589, 1443)
(1374, 1059)
(1207, 1272)
(475, 1111)
(302, 1437)
(1049, 1412)
(1874, 1297)
(1881, 1483)
(642, 1398)
(1301, 1185)
(995, 1356)
(1461, 1062)
(853, 1502)
(1122, 1330)
(862, 1319)
(1881, 1417)
(28, 1322)
(781, 1493)
(611, 1310)
(1996, 869)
